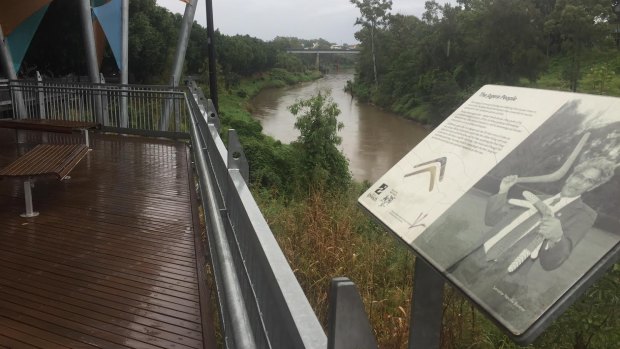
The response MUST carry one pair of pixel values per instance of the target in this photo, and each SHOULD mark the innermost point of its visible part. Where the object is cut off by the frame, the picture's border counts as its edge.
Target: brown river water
(372, 139)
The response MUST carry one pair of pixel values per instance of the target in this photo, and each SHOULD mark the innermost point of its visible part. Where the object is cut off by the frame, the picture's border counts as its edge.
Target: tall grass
(326, 235)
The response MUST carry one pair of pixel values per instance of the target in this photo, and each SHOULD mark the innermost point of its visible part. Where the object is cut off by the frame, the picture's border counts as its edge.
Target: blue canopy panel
(20, 38)
(109, 16)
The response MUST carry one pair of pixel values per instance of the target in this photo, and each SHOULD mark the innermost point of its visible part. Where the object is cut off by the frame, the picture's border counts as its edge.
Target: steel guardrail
(268, 296)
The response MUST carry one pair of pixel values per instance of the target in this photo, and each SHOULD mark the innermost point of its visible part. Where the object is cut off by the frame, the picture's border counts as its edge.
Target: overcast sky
(332, 20)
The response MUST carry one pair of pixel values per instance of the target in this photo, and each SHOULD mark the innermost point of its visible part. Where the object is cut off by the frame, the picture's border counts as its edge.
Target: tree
(580, 24)
(373, 13)
(322, 163)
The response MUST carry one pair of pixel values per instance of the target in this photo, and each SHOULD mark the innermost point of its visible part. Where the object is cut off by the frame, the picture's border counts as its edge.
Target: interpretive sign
(514, 199)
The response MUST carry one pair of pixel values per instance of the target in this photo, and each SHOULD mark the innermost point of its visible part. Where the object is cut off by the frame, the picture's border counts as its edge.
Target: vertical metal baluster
(64, 103)
(67, 100)
(112, 107)
(119, 111)
(58, 112)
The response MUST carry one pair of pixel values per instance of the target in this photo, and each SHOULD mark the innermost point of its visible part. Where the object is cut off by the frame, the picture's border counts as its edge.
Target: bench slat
(50, 125)
(46, 159)
(71, 162)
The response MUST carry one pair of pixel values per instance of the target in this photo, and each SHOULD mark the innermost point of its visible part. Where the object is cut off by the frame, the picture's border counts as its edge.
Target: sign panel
(513, 198)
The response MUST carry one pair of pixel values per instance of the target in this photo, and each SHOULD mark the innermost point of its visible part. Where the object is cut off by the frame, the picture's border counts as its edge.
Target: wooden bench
(48, 125)
(44, 160)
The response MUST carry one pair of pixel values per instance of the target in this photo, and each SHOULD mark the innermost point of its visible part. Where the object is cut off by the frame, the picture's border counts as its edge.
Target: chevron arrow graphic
(432, 170)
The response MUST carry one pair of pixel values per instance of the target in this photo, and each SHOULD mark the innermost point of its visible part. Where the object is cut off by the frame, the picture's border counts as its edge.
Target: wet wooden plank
(111, 260)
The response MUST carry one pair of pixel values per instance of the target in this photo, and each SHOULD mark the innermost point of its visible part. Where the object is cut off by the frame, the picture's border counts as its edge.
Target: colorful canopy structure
(109, 17)
(19, 21)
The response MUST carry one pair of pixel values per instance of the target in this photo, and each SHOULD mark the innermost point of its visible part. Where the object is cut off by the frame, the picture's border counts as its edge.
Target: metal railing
(150, 110)
(261, 302)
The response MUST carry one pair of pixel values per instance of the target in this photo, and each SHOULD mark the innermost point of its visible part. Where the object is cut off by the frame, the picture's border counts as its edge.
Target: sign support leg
(426, 307)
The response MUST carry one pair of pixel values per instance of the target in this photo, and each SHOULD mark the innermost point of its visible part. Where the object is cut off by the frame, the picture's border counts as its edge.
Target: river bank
(372, 139)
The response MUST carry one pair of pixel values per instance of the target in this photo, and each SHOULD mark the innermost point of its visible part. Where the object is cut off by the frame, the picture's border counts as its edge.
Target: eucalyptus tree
(374, 13)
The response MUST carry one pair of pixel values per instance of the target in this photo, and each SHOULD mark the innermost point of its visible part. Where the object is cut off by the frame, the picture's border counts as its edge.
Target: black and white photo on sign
(539, 220)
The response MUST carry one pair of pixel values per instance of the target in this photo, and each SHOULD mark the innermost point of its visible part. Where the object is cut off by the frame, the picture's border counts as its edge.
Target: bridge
(319, 52)
(324, 51)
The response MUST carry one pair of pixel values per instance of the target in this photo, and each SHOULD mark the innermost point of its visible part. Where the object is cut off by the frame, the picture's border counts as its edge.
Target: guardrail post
(236, 156)
(41, 97)
(212, 117)
(426, 307)
(177, 110)
(105, 103)
(348, 324)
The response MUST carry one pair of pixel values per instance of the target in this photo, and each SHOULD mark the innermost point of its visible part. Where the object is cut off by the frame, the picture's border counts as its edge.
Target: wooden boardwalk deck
(111, 260)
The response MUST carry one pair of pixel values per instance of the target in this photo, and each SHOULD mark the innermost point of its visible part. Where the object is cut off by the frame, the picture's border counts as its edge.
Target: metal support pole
(124, 62)
(177, 68)
(91, 53)
(186, 28)
(426, 307)
(211, 54)
(28, 197)
(9, 70)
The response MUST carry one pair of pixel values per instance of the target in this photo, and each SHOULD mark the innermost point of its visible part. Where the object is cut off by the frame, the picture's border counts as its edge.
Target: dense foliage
(426, 67)
(321, 162)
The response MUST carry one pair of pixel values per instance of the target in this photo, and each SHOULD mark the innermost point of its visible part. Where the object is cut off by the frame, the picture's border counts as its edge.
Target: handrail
(242, 332)
(279, 313)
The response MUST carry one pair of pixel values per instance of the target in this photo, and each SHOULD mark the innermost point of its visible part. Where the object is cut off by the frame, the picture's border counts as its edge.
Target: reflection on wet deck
(110, 261)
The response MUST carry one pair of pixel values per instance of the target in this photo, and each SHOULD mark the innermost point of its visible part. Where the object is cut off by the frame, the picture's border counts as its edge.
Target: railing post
(177, 111)
(348, 324)
(426, 307)
(236, 156)
(41, 97)
(105, 106)
(213, 118)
